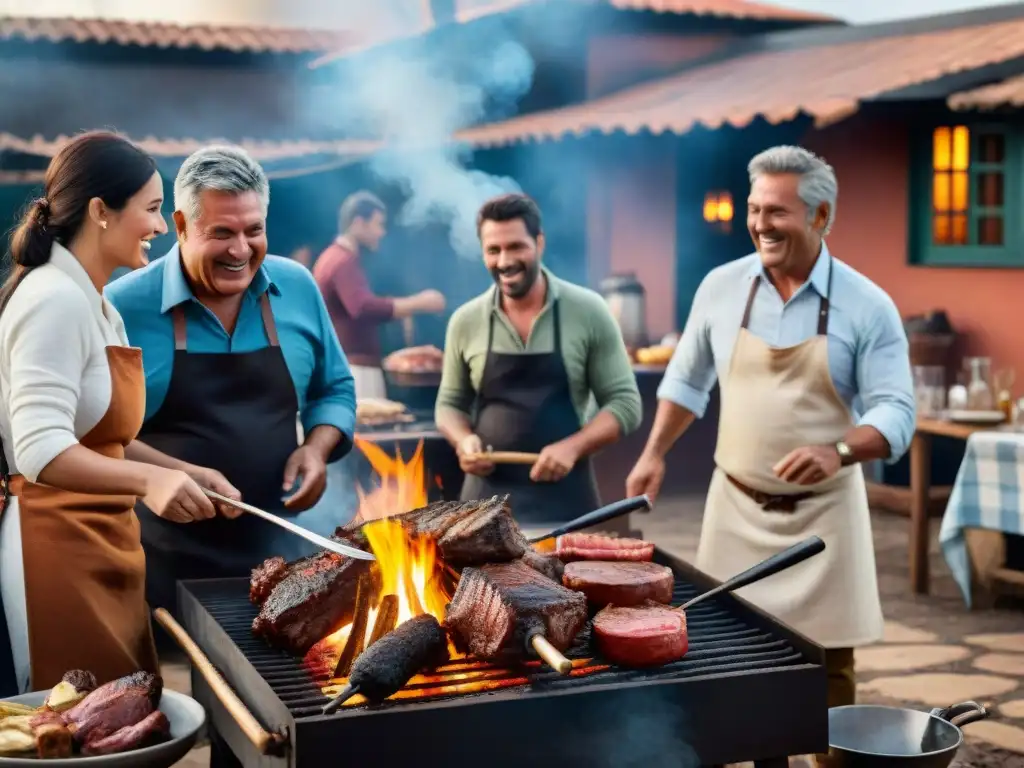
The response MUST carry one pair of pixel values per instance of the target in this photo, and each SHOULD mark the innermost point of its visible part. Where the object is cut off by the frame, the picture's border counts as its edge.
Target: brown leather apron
(84, 569)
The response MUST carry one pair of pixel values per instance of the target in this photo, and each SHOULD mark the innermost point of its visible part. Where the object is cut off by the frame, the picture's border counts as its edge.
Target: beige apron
(774, 400)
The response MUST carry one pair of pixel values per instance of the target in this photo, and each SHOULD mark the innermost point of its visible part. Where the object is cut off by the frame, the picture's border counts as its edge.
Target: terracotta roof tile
(163, 35)
(827, 82)
(471, 10)
(1009, 93)
(264, 151)
(736, 9)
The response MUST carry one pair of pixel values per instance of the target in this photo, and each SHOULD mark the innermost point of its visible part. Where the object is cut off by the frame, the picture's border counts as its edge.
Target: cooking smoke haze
(414, 95)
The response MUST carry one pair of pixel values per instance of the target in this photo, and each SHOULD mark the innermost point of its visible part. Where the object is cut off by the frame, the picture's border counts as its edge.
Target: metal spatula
(298, 530)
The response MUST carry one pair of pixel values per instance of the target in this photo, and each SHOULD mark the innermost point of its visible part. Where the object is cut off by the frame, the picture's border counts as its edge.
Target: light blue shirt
(323, 382)
(868, 352)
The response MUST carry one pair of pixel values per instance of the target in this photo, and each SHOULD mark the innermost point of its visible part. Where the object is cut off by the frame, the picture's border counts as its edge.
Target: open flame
(407, 567)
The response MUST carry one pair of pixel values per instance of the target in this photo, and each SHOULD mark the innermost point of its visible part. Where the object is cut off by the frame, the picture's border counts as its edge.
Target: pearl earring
(103, 224)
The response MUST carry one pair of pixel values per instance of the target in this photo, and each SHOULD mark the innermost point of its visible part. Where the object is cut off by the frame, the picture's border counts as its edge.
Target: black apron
(525, 404)
(235, 413)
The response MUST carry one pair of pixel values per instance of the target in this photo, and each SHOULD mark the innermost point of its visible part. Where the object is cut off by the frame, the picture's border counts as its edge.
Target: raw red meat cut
(594, 546)
(641, 636)
(622, 583)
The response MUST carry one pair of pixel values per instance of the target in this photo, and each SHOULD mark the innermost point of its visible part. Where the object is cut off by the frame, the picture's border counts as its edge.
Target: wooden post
(920, 482)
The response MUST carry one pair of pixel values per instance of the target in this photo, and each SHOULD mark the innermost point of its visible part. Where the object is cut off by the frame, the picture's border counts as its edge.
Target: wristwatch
(845, 454)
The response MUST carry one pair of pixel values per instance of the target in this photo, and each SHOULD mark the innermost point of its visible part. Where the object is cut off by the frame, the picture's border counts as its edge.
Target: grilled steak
(641, 636)
(315, 597)
(265, 577)
(112, 706)
(622, 583)
(547, 564)
(467, 533)
(152, 729)
(498, 608)
(593, 546)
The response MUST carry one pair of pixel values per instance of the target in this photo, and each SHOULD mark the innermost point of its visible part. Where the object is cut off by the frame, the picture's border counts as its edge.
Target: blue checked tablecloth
(987, 494)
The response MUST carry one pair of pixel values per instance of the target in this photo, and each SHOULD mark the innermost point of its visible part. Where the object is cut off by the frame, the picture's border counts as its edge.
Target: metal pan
(867, 736)
(184, 713)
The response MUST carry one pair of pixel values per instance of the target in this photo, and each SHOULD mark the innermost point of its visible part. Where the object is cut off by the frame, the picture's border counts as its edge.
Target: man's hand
(555, 462)
(646, 476)
(809, 465)
(214, 481)
(309, 463)
(468, 448)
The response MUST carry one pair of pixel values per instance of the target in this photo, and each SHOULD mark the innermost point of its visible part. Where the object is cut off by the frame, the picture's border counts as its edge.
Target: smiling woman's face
(225, 246)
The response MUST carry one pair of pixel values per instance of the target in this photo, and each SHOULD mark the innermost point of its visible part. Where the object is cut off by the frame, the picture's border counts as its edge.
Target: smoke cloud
(415, 95)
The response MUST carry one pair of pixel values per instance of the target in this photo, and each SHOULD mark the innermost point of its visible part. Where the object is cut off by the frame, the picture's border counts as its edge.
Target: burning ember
(411, 577)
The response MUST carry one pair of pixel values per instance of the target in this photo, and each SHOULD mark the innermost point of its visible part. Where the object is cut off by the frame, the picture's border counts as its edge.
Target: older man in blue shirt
(236, 344)
(795, 337)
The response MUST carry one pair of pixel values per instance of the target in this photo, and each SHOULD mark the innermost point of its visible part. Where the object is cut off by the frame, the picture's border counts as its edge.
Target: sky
(299, 12)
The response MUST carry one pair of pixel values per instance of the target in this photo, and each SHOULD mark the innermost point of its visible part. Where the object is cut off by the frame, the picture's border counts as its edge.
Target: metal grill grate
(720, 643)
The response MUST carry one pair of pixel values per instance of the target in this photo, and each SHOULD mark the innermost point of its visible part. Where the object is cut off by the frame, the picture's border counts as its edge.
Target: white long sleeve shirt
(54, 375)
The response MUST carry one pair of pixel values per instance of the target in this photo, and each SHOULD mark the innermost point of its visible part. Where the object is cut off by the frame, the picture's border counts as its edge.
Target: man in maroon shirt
(354, 308)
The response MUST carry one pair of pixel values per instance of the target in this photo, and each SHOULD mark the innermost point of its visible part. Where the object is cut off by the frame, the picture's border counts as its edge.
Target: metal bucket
(866, 736)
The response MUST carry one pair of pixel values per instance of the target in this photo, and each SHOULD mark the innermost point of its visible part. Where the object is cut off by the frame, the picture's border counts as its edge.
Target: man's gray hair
(817, 178)
(221, 168)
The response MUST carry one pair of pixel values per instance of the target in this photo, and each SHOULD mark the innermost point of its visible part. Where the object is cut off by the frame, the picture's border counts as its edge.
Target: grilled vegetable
(10, 709)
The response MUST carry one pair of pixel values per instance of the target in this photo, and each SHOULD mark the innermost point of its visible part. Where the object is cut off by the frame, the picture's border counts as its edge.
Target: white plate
(185, 714)
(978, 417)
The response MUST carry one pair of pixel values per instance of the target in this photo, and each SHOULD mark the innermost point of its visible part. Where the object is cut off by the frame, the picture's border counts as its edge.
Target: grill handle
(267, 743)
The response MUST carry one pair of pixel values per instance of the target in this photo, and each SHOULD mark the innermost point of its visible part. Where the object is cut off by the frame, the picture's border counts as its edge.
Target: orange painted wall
(871, 162)
(632, 198)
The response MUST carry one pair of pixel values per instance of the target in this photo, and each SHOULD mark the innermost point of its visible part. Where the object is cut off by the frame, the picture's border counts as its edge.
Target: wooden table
(920, 484)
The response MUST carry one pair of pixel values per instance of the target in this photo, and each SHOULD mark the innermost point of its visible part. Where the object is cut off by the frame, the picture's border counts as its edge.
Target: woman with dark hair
(72, 397)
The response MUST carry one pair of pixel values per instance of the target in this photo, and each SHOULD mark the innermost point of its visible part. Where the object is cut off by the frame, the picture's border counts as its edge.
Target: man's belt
(772, 502)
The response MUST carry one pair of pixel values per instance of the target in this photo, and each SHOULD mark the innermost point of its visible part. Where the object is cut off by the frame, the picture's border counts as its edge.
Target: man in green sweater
(522, 362)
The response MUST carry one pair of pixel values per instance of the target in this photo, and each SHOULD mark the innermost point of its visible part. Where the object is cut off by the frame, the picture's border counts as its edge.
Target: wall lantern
(718, 209)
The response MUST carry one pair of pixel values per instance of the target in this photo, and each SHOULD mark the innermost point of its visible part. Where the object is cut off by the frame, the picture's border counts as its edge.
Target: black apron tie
(236, 413)
(525, 404)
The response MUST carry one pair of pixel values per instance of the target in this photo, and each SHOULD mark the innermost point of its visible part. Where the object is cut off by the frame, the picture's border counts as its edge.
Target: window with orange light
(969, 191)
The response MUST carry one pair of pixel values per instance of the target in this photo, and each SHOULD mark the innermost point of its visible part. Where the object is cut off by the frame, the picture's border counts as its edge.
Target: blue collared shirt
(868, 352)
(323, 382)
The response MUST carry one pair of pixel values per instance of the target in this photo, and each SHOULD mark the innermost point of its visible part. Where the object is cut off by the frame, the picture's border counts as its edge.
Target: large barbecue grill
(749, 689)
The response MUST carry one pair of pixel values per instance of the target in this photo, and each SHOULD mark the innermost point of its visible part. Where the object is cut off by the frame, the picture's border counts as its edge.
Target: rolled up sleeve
(884, 380)
(46, 348)
(331, 398)
(610, 373)
(456, 390)
(691, 375)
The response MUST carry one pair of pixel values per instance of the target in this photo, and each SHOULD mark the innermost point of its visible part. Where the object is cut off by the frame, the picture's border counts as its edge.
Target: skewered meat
(620, 583)
(383, 668)
(113, 706)
(467, 533)
(594, 546)
(152, 729)
(544, 563)
(315, 597)
(498, 608)
(641, 636)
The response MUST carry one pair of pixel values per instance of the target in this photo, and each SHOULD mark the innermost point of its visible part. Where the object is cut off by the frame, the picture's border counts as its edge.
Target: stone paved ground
(935, 652)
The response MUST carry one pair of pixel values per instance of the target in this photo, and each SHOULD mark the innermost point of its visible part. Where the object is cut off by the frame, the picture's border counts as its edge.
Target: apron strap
(750, 302)
(823, 307)
(269, 324)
